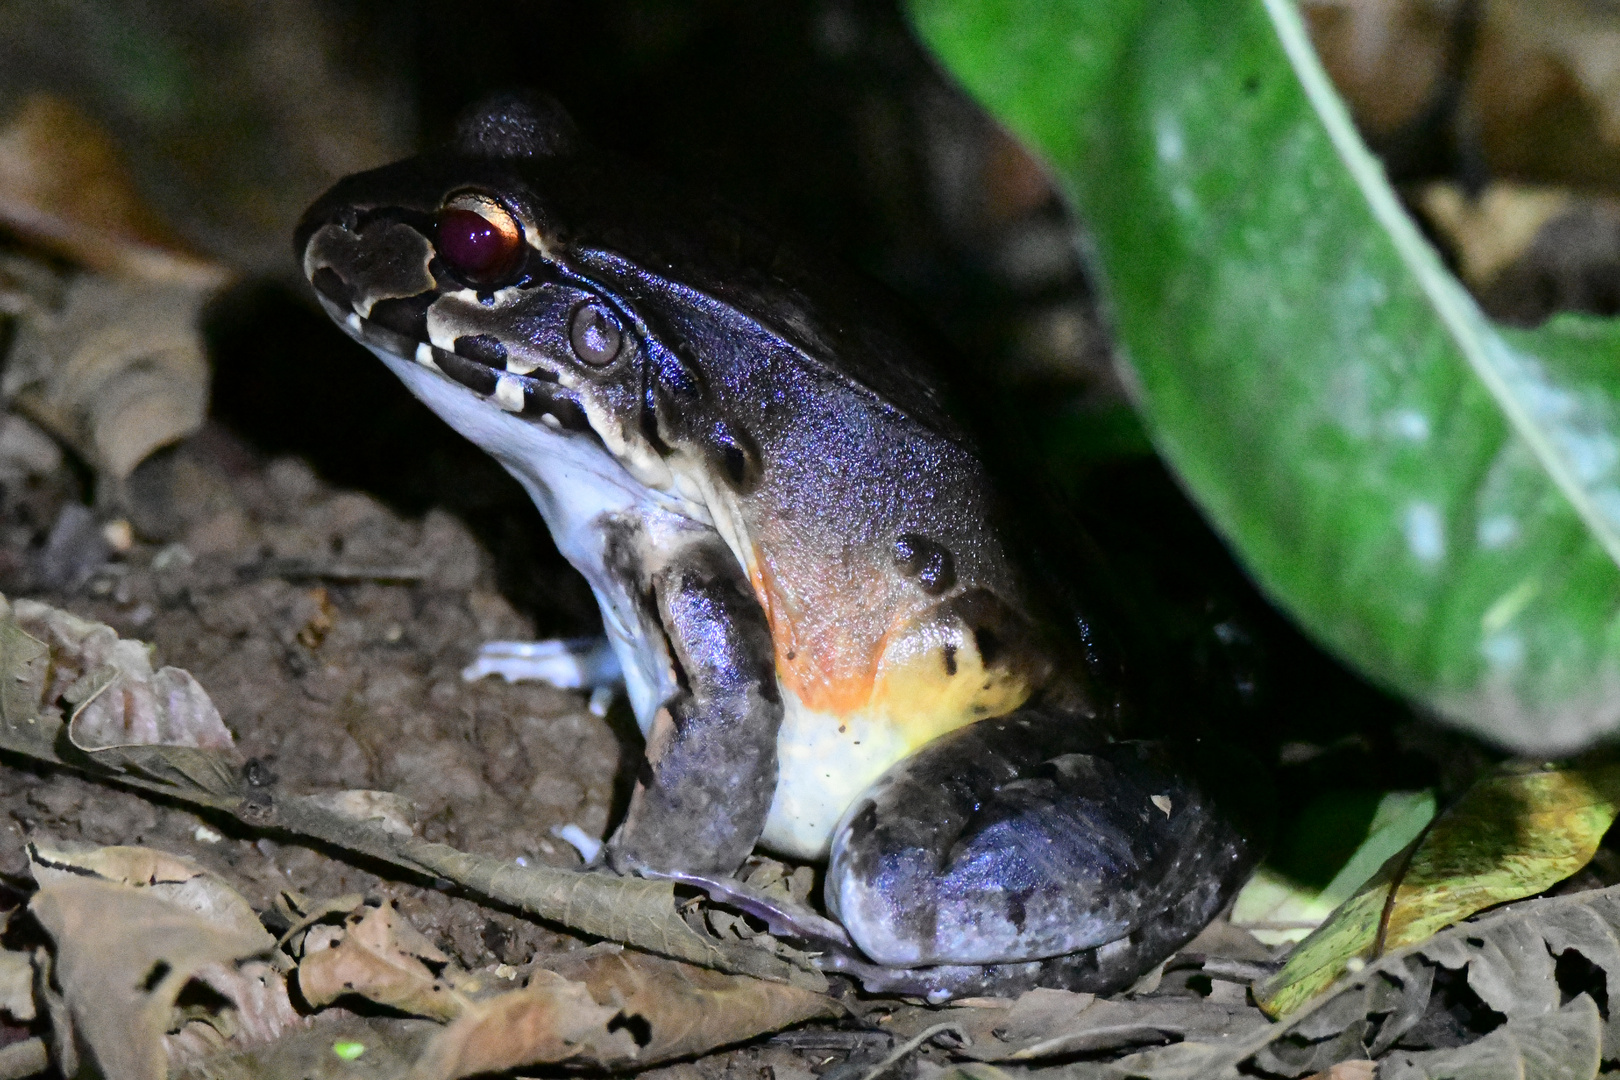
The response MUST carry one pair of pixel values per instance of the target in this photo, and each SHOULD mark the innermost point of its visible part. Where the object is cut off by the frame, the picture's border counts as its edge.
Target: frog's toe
(566, 663)
(1016, 839)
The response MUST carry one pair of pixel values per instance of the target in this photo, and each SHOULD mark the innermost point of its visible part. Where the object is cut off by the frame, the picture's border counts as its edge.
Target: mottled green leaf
(1512, 835)
(1276, 909)
(1435, 498)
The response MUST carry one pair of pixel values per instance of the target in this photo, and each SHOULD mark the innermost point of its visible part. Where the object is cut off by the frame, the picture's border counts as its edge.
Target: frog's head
(482, 262)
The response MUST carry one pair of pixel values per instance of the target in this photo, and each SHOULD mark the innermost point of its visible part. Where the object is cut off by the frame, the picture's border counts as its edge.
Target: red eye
(479, 239)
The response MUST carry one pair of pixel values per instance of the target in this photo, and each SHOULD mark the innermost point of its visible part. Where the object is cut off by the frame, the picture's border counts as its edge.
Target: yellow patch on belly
(929, 681)
(871, 667)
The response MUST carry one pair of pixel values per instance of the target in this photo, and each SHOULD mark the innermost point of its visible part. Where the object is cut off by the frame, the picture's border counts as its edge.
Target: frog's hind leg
(1024, 839)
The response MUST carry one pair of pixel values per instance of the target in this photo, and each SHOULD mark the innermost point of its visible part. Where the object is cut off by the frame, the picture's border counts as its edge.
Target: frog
(805, 579)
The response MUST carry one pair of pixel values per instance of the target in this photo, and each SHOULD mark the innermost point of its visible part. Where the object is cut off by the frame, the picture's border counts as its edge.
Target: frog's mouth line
(533, 398)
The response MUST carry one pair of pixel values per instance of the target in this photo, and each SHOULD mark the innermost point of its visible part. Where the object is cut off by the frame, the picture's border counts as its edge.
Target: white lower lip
(509, 394)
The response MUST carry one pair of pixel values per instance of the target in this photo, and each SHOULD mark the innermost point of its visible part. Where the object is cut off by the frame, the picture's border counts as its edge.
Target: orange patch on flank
(828, 659)
(880, 656)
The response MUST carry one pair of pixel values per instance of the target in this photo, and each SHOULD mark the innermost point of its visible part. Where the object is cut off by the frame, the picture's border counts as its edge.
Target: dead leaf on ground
(172, 878)
(65, 186)
(1348, 1070)
(232, 117)
(17, 985)
(378, 955)
(611, 1008)
(335, 1046)
(1564, 1045)
(1490, 232)
(118, 699)
(1059, 1023)
(1403, 1010)
(261, 1012)
(125, 717)
(111, 360)
(122, 954)
(116, 371)
(1408, 1010)
(1513, 834)
(1530, 86)
(392, 812)
(1527, 252)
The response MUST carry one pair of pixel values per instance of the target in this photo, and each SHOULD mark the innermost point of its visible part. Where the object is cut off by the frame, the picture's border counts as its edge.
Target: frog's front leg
(1023, 838)
(566, 663)
(705, 788)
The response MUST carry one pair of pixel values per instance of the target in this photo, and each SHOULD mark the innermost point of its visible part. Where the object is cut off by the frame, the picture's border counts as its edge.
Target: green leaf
(1276, 909)
(1435, 498)
(1512, 835)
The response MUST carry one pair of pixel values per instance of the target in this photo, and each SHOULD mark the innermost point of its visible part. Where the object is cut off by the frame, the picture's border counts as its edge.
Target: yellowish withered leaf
(1513, 834)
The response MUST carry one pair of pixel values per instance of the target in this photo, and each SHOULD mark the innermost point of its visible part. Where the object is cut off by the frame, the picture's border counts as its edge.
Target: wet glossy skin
(825, 640)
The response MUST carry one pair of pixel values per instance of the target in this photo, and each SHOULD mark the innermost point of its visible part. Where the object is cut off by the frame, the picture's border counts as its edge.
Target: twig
(911, 1045)
(343, 573)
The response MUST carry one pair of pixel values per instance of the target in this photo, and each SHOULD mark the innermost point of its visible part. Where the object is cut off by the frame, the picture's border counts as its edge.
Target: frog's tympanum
(797, 557)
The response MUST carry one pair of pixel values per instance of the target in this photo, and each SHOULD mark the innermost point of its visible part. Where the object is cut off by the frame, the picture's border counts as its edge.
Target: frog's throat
(576, 485)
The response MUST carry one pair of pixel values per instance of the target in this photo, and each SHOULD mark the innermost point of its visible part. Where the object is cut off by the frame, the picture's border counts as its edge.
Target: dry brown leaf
(179, 920)
(263, 1013)
(1540, 98)
(301, 912)
(1348, 1070)
(1490, 233)
(393, 813)
(1385, 56)
(17, 985)
(552, 1020)
(1042, 1024)
(126, 718)
(119, 700)
(334, 1046)
(64, 185)
(116, 371)
(172, 878)
(610, 1008)
(381, 957)
(1545, 90)
(111, 362)
(120, 958)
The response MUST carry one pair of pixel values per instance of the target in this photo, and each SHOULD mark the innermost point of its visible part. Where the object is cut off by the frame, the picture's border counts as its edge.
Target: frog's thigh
(1019, 838)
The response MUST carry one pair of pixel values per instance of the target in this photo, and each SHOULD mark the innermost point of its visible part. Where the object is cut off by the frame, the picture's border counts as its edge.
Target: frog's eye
(479, 239)
(595, 334)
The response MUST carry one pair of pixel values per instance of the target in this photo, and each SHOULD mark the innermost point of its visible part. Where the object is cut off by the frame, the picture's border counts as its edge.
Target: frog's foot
(1022, 844)
(566, 663)
(782, 916)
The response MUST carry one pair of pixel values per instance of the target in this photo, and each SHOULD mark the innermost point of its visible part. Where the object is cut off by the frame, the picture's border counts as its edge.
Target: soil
(330, 632)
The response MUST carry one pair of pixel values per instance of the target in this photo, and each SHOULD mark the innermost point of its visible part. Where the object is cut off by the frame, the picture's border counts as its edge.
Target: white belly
(821, 771)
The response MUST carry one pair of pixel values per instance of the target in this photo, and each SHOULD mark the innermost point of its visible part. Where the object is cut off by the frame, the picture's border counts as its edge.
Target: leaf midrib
(1473, 333)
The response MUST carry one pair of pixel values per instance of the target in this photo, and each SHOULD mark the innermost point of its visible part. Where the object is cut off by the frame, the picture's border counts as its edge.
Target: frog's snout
(374, 276)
